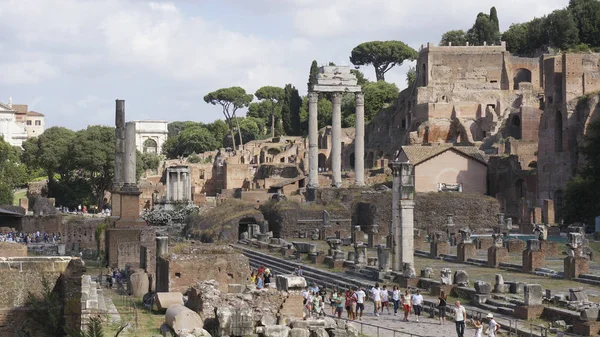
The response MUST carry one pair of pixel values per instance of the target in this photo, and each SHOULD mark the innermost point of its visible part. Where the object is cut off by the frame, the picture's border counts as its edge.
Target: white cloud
(26, 72)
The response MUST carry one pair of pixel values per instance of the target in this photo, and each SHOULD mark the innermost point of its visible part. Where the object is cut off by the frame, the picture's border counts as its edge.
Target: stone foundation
(514, 245)
(438, 248)
(533, 260)
(574, 266)
(483, 242)
(12, 249)
(466, 251)
(586, 328)
(135, 247)
(497, 255)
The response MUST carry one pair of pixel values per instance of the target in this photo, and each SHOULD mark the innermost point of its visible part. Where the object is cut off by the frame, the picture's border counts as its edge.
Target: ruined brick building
(528, 115)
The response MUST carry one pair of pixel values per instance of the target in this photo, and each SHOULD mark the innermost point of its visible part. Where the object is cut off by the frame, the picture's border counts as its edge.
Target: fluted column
(130, 155)
(336, 139)
(313, 138)
(119, 177)
(359, 141)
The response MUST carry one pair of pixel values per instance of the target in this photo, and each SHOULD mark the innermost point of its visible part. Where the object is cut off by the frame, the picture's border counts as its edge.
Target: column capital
(360, 98)
(313, 96)
(336, 98)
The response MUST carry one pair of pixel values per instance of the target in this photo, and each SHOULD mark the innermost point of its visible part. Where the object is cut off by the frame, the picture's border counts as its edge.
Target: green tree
(174, 128)
(194, 139)
(231, 100)
(13, 173)
(45, 317)
(383, 55)
(50, 151)
(219, 129)
(483, 30)
(6, 194)
(275, 96)
(561, 28)
(312, 75)
(587, 16)
(455, 37)
(516, 38)
(325, 108)
(251, 128)
(290, 111)
(377, 96)
(494, 19)
(411, 75)
(360, 77)
(537, 36)
(93, 152)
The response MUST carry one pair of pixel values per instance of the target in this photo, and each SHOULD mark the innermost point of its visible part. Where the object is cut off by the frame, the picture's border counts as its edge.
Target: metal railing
(128, 303)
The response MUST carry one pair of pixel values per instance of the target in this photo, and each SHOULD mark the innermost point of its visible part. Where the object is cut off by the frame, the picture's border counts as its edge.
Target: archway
(322, 161)
(150, 146)
(247, 227)
(558, 132)
(370, 160)
(522, 76)
(515, 127)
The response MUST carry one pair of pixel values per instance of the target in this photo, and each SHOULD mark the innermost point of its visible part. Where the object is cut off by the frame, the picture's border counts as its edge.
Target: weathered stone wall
(186, 266)
(49, 224)
(133, 247)
(82, 234)
(222, 223)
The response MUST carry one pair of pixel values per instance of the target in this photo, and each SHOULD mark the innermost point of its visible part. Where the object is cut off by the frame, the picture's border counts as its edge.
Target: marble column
(130, 156)
(336, 139)
(395, 230)
(359, 141)
(168, 185)
(407, 231)
(313, 139)
(178, 195)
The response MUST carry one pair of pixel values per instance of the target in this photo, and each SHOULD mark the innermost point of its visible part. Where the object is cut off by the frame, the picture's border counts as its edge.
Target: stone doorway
(247, 228)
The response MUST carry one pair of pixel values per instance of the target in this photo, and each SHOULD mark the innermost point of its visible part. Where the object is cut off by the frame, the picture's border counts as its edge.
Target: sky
(70, 59)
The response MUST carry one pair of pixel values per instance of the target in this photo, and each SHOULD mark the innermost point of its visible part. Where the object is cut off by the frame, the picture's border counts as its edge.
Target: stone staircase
(95, 304)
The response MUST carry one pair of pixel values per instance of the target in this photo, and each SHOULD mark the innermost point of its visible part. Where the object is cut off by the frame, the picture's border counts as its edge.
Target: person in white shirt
(376, 296)
(360, 301)
(494, 326)
(396, 299)
(460, 314)
(385, 300)
(478, 327)
(417, 303)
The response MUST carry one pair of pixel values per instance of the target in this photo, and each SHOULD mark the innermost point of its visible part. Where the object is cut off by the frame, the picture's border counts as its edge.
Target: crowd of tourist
(27, 238)
(407, 304)
(261, 277)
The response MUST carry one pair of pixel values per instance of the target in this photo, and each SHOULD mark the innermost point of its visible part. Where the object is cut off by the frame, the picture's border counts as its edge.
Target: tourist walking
(460, 314)
(442, 307)
(478, 328)
(376, 296)
(417, 303)
(316, 305)
(332, 300)
(360, 301)
(406, 304)
(339, 305)
(493, 325)
(385, 302)
(396, 299)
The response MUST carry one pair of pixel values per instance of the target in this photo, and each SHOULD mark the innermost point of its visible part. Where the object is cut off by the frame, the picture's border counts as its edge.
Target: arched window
(150, 146)
(522, 76)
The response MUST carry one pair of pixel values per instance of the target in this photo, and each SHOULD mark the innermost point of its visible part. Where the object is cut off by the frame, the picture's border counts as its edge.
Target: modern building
(150, 135)
(12, 129)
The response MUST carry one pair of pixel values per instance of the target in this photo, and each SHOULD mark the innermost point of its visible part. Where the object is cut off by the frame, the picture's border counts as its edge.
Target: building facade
(150, 135)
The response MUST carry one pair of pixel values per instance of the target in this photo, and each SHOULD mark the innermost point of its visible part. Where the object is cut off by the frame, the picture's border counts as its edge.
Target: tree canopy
(383, 55)
(455, 37)
(312, 75)
(484, 30)
(275, 95)
(230, 99)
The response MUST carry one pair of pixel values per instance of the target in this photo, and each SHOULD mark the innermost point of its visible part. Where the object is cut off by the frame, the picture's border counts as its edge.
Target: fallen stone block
(290, 282)
(275, 331)
(482, 287)
(297, 332)
(180, 318)
(590, 314)
(163, 301)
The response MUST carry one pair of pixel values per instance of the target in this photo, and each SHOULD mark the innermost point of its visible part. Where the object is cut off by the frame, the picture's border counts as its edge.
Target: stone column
(168, 185)
(178, 197)
(395, 230)
(119, 177)
(336, 139)
(407, 232)
(162, 245)
(359, 141)
(313, 139)
(130, 156)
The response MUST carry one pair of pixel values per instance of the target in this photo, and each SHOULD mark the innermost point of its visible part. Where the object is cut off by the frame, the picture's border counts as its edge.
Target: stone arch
(522, 76)
(558, 132)
(322, 161)
(150, 146)
(370, 160)
(515, 129)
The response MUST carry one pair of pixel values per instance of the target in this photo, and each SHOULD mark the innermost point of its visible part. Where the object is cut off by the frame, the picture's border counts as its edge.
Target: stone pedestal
(497, 255)
(574, 266)
(548, 212)
(384, 259)
(586, 328)
(134, 247)
(407, 282)
(360, 256)
(466, 251)
(549, 248)
(162, 245)
(528, 312)
(533, 260)
(438, 248)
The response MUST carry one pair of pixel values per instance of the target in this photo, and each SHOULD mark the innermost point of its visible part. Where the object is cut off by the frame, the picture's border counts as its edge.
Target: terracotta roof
(417, 154)
(34, 113)
(20, 108)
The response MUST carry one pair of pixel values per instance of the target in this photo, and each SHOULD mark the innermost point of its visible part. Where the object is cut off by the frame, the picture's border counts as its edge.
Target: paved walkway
(426, 326)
